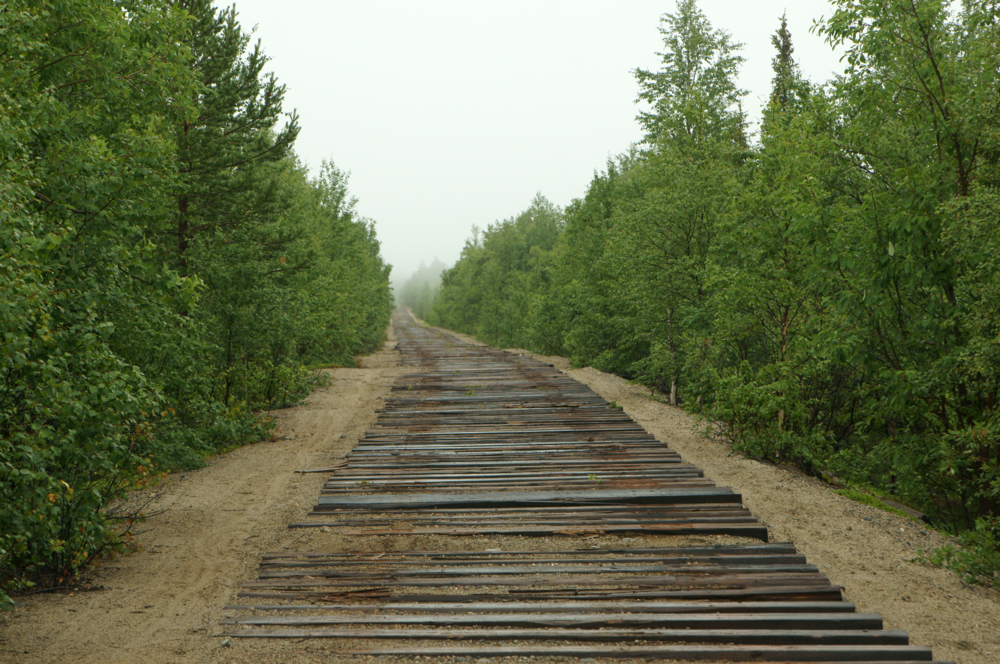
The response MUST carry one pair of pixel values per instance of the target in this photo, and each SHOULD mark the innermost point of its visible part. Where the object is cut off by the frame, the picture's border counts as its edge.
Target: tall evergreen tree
(238, 108)
(784, 66)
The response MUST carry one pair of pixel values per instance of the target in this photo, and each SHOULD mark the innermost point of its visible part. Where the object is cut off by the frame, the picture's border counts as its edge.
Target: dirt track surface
(165, 603)
(864, 549)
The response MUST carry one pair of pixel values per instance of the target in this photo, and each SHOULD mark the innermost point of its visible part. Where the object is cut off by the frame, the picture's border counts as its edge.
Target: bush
(977, 559)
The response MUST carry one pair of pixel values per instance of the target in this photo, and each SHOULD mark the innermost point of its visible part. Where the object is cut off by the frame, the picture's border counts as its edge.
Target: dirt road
(165, 603)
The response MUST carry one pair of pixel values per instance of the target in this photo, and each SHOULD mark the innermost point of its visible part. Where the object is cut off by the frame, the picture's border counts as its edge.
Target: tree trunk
(673, 357)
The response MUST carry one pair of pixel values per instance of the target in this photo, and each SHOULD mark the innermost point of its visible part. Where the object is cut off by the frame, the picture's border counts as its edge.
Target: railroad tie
(480, 442)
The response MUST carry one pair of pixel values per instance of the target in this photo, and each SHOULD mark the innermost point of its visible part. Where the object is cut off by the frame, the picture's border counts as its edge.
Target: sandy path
(164, 604)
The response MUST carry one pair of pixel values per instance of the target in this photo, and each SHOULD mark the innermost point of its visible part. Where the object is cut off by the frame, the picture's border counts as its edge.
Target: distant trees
(497, 290)
(167, 267)
(420, 289)
(827, 295)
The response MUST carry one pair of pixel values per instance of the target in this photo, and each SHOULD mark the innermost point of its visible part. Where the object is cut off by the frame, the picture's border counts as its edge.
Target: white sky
(449, 113)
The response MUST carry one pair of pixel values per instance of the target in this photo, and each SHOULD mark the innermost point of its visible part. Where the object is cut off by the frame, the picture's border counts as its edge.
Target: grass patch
(873, 501)
(325, 365)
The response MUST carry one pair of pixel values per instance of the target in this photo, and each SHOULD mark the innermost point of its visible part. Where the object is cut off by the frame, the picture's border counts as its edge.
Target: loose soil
(165, 603)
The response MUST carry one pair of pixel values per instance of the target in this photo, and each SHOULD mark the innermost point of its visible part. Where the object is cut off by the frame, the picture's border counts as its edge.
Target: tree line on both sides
(168, 268)
(826, 295)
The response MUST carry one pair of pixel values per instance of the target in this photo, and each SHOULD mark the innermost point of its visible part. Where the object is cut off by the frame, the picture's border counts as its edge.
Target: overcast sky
(454, 113)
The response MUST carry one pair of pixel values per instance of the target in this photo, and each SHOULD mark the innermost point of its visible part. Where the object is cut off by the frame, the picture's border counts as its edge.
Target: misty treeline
(828, 295)
(168, 268)
(420, 289)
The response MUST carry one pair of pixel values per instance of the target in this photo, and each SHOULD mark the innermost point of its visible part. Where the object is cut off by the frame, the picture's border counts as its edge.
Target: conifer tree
(789, 90)
(234, 132)
(785, 69)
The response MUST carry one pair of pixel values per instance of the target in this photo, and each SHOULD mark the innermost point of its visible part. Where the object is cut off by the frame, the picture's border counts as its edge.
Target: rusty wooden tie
(484, 442)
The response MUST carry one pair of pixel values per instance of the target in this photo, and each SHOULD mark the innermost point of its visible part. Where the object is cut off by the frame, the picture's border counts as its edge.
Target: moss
(868, 499)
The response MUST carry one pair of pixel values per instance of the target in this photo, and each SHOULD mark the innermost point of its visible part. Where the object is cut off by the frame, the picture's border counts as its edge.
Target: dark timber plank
(757, 653)
(720, 636)
(557, 607)
(524, 498)
(817, 593)
(773, 621)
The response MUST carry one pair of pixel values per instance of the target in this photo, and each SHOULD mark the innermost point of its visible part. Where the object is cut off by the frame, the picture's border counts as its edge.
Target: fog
(454, 113)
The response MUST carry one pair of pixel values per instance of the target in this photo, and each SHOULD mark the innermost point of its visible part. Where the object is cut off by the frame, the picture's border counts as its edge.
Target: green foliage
(977, 558)
(694, 94)
(496, 292)
(914, 96)
(141, 327)
(828, 296)
(79, 181)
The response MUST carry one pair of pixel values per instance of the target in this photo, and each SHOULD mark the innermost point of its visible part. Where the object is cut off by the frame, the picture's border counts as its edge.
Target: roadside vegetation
(168, 268)
(824, 294)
